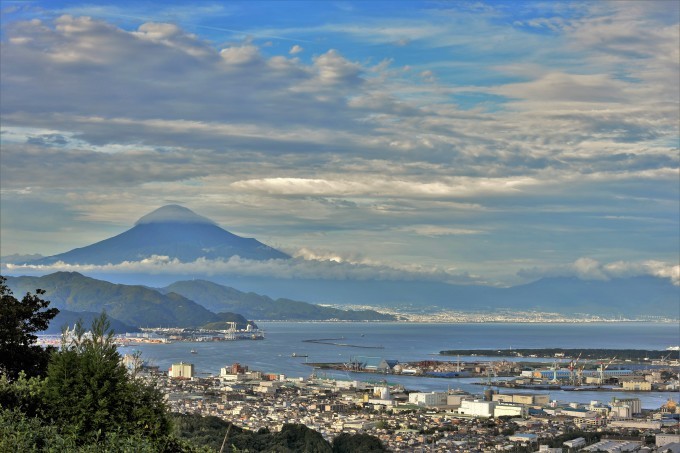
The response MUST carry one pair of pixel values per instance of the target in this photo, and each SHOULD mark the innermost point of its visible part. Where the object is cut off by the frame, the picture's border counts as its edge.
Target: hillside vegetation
(254, 306)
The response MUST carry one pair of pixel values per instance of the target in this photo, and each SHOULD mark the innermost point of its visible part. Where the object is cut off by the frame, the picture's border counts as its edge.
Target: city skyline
(493, 142)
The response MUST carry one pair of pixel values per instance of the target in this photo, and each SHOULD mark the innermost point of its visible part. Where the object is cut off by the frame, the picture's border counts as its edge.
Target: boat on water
(193, 351)
(295, 354)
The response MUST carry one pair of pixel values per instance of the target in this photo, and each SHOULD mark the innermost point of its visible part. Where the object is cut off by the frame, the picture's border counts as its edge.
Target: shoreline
(467, 321)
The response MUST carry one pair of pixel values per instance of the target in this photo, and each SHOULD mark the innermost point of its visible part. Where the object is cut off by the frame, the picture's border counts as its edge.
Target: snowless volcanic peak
(173, 213)
(171, 231)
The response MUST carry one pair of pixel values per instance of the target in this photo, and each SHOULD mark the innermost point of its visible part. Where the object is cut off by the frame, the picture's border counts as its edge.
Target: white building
(575, 443)
(632, 403)
(432, 399)
(522, 398)
(510, 410)
(664, 439)
(636, 424)
(617, 446)
(382, 392)
(547, 449)
(477, 408)
(622, 411)
(523, 438)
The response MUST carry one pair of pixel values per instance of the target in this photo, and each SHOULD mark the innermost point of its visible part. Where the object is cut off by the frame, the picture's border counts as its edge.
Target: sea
(286, 344)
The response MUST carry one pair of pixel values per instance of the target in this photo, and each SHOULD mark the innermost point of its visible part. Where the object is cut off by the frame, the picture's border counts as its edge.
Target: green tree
(23, 394)
(349, 443)
(20, 433)
(298, 438)
(19, 321)
(89, 393)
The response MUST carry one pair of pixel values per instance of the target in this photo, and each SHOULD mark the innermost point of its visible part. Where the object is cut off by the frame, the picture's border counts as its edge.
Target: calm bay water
(412, 341)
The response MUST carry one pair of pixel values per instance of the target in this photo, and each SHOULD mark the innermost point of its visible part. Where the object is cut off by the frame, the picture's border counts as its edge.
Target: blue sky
(472, 142)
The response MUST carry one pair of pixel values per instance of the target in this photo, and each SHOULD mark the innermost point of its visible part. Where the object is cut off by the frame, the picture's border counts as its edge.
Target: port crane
(572, 367)
(603, 368)
(555, 368)
(579, 375)
(663, 360)
(491, 368)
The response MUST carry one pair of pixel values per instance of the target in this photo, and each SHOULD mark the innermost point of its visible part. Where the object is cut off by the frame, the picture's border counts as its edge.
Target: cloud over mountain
(172, 232)
(551, 127)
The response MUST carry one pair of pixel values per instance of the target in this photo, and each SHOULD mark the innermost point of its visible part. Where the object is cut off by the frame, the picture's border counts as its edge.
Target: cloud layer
(328, 266)
(483, 139)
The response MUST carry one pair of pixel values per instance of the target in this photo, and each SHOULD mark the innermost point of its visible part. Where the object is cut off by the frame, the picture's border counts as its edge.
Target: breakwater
(335, 342)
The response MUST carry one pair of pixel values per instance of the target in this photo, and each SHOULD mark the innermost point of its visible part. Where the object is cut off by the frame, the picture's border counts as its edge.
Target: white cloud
(590, 269)
(560, 86)
(438, 230)
(322, 268)
(333, 69)
(449, 187)
(241, 55)
(516, 130)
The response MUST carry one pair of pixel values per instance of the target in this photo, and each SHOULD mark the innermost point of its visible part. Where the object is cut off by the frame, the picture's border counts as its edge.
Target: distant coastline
(479, 321)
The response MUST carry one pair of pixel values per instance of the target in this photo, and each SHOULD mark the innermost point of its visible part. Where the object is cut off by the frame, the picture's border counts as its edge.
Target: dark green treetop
(19, 322)
(91, 394)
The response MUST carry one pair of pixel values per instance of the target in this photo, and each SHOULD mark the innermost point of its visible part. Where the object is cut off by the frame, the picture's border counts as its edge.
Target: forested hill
(134, 305)
(183, 304)
(254, 306)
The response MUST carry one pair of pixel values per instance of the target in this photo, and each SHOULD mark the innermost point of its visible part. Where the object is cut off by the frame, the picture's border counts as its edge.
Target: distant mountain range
(628, 297)
(179, 233)
(139, 306)
(172, 231)
(254, 306)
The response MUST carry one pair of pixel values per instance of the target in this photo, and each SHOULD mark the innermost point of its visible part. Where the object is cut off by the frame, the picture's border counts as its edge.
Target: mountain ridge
(142, 306)
(214, 297)
(134, 305)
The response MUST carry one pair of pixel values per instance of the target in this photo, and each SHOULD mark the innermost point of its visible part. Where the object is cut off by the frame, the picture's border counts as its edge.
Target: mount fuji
(173, 231)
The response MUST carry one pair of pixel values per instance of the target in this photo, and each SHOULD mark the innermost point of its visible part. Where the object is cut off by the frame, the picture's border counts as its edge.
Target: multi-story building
(522, 398)
(432, 399)
(637, 386)
(633, 403)
(510, 410)
(477, 408)
(182, 370)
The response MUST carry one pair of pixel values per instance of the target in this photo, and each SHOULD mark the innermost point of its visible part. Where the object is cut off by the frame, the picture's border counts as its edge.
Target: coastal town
(406, 420)
(429, 315)
(547, 369)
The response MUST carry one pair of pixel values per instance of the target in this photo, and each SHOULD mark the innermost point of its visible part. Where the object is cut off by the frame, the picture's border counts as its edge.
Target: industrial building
(632, 403)
(528, 399)
(477, 408)
(565, 374)
(432, 399)
(510, 410)
(182, 370)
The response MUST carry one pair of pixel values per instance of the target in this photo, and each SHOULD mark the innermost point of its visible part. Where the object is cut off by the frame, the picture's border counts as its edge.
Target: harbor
(407, 343)
(521, 375)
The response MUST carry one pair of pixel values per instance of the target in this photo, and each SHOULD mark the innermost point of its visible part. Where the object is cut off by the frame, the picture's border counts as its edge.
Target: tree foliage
(350, 443)
(19, 322)
(211, 431)
(85, 400)
(90, 393)
(21, 433)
